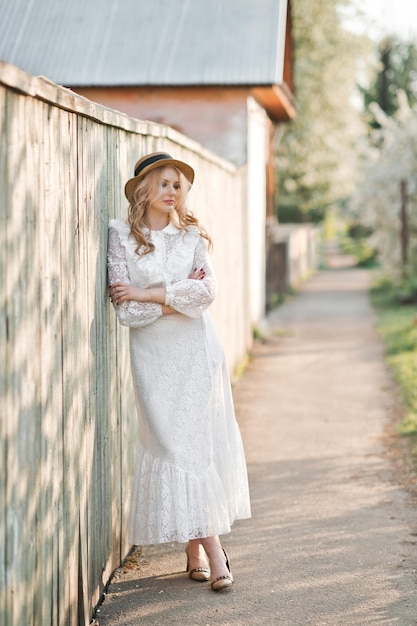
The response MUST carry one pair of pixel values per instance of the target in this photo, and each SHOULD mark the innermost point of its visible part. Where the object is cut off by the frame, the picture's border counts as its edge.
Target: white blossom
(390, 158)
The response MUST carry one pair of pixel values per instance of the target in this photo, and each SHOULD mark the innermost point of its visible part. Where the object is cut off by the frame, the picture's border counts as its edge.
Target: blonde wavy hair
(146, 192)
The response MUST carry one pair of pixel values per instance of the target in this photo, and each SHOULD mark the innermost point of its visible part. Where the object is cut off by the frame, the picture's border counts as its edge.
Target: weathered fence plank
(69, 422)
(3, 352)
(71, 391)
(22, 405)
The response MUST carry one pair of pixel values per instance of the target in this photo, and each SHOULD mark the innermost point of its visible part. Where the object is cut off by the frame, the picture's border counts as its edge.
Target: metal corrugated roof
(146, 42)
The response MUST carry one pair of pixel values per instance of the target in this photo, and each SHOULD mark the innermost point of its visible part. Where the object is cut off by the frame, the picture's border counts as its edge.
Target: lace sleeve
(128, 313)
(193, 297)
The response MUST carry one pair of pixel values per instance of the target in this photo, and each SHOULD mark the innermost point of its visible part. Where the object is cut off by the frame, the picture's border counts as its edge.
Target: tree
(316, 160)
(396, 71)
(391, 171)
(386, 197)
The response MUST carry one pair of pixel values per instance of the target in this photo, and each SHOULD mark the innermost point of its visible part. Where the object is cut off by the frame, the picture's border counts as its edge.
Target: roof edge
(277, 100)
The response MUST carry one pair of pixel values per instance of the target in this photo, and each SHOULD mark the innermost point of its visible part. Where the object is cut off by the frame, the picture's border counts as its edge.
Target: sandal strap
(226, 576)
(200, 569)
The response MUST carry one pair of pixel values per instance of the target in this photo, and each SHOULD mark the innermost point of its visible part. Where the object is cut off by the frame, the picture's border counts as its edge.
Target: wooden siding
(68, 421)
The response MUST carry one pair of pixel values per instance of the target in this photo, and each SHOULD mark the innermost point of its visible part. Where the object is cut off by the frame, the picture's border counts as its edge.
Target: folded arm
(193, 296)
(136, 306)
(129, 311)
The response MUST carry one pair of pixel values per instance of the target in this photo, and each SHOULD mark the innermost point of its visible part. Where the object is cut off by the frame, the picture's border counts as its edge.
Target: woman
(190, 479)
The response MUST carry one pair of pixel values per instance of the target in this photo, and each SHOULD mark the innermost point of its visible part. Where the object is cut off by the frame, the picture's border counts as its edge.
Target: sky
(388, 17)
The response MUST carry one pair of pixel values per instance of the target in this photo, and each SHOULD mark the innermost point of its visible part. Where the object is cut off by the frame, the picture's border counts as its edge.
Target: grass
(258, 334)
(240, 369)
(282, 332)
(366, 256)
(397, 325)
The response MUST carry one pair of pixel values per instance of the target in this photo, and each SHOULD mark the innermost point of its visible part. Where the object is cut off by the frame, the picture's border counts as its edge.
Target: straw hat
(152, 161)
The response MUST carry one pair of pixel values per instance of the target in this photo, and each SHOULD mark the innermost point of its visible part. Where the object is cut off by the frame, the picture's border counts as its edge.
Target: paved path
(332, 541)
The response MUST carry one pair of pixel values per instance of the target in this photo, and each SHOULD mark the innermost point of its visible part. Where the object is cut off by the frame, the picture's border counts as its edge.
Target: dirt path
(332, 541)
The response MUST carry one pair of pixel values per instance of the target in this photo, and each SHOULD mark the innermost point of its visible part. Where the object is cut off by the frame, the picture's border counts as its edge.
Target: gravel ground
(332, 540)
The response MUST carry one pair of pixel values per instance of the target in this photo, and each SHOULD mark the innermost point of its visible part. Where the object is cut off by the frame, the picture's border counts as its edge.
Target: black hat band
(150, 160)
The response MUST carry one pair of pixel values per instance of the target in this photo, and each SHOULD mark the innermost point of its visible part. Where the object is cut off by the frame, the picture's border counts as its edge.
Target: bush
(358, 247)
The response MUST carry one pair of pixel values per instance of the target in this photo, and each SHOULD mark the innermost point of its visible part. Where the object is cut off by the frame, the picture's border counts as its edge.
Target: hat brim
(187, 170)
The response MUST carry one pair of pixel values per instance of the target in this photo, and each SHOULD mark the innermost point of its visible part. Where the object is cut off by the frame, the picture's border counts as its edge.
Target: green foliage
(274, 300)
(293, 214)
(356, 230)
(359, 248)
(258, 334)
(316, 158)
(398, 327)
(396, 71)
(407, 289)
(353, 238)
(384, 294)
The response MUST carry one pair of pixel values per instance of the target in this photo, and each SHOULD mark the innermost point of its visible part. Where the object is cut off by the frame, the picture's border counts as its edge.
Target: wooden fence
(68, 421)
(293, 254)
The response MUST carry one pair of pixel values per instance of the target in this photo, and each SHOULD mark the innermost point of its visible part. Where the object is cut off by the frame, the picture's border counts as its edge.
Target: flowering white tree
(390, 159)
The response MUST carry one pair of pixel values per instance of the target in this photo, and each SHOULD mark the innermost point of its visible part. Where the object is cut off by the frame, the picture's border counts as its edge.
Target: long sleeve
(128, 313)
(193, 297)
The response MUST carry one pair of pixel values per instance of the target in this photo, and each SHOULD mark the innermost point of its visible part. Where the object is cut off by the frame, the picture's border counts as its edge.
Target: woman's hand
(197, 274)
(119, 292)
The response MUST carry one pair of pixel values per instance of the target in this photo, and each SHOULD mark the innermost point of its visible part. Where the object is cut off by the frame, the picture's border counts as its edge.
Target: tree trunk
(405, 234)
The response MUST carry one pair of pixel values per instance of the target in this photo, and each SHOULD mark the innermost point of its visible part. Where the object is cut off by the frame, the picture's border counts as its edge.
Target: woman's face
(169, 191)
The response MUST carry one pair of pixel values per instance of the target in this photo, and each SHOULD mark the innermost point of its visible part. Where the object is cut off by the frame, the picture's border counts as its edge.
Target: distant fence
(294, 252)
(68, 418)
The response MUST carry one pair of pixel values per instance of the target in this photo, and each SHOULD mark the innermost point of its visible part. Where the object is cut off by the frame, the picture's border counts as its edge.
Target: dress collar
(170, 229)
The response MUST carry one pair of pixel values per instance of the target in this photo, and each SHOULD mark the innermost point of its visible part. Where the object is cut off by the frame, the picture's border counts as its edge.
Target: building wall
(68, 427)
(258, 151)
(213, 116)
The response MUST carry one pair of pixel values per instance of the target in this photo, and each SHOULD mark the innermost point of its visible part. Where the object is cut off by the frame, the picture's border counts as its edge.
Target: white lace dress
(190, 477)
